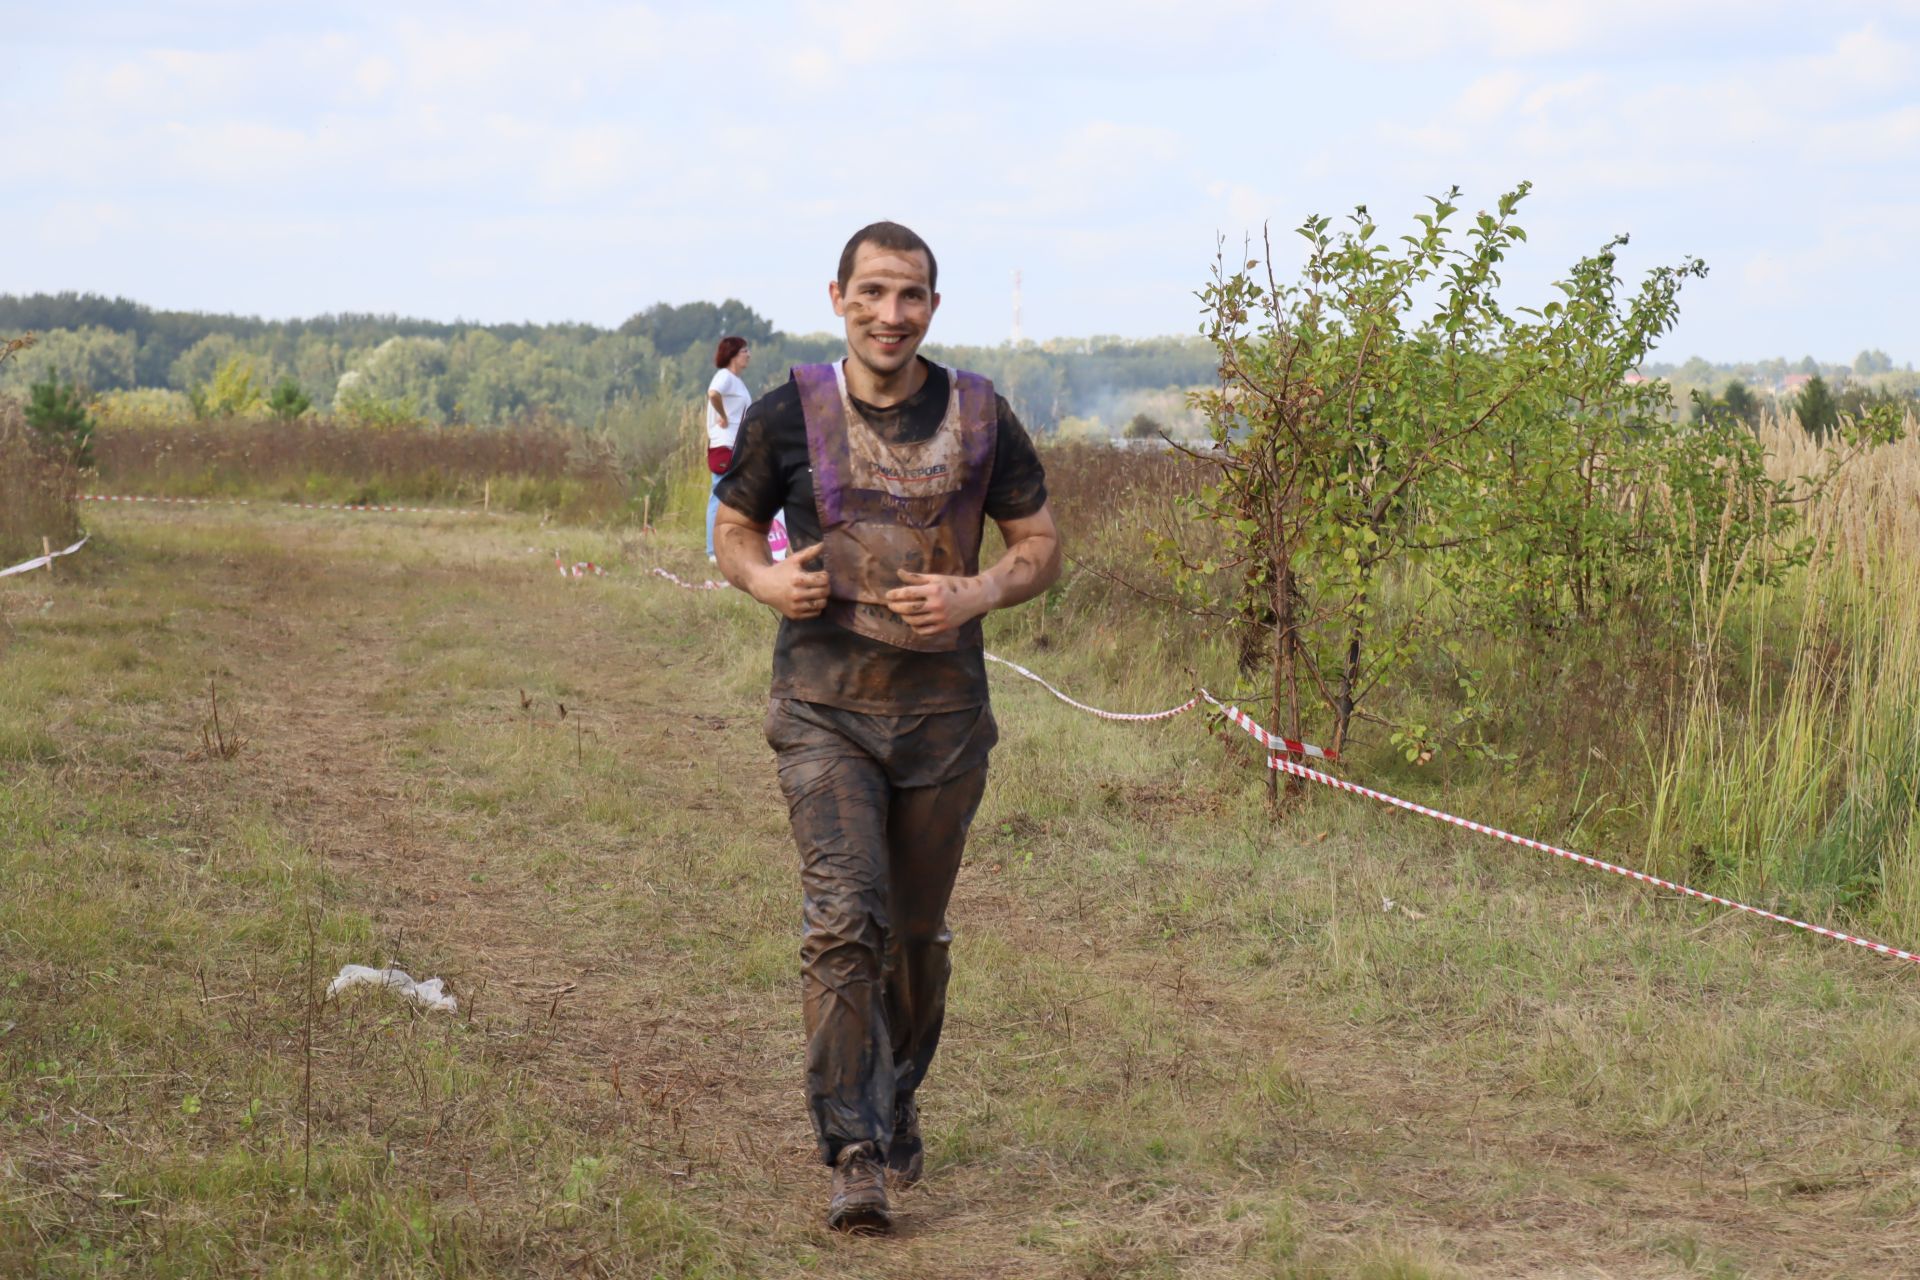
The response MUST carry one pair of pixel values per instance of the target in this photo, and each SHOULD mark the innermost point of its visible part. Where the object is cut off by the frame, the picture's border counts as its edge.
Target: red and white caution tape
(245, 502)
(579, 569)
(1314, 775)
(42, 562)
(676, 580)
(1168, 714)
(1271, 741)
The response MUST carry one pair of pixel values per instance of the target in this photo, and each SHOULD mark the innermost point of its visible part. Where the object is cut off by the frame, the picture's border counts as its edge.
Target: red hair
(729, 348)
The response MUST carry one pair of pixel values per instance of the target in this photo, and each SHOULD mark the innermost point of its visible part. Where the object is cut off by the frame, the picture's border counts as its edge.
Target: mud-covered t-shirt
(816, 660)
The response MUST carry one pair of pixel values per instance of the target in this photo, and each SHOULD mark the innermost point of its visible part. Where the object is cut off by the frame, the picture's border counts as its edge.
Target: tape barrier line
(41, 562)
(1438, 815)
(708, 585)
(579, 569)
(246, 502)
(1188, 705)
(1271, 741)
(1134, 717)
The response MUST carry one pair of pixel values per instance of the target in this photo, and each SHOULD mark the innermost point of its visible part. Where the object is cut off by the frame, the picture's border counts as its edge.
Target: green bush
(57, 410)
(288, 401)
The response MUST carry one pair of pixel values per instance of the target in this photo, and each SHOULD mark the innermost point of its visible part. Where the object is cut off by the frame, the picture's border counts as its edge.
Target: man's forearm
(742, 552)
(1028, 568)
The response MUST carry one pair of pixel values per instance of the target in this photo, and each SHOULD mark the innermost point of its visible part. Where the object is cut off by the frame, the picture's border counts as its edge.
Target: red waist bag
(718, 456)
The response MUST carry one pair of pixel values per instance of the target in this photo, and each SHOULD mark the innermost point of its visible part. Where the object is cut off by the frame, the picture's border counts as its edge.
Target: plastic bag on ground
(430, 994)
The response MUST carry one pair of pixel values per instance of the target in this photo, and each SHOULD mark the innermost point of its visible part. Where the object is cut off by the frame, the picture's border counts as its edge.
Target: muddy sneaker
(859, 1204)
(906, 1157)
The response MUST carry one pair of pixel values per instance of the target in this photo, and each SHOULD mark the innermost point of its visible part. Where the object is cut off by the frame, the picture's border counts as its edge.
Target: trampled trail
(611, 894)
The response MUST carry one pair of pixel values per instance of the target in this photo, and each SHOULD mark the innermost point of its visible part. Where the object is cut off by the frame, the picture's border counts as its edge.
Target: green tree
(1702, 407)
(57, 410)
(1387, 416)
(1868, 363)
(1858, 401)
(1143, 426)
(234, 392)
(97, 359)
(288, 401)
(200, 363)
(1741, 404)
(674, 329)
(1818, 413)
(1696, 371)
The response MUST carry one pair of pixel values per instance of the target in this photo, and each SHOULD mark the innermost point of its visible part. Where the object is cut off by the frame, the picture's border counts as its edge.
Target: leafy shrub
(288, 401)
(233, 393)
(57, 410)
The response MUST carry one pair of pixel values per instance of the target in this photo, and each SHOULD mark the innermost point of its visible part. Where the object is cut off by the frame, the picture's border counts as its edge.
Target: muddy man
(888, 466)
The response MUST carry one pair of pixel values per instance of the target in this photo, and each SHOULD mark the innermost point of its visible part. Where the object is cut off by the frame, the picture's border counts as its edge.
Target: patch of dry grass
(38, 486)
(540, 468)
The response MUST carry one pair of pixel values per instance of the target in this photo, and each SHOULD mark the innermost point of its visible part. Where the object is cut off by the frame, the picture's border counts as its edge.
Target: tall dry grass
(1791, 770)
(538, 466)
(37, 485)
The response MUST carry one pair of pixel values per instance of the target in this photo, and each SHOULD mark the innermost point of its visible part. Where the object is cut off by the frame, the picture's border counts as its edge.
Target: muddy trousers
(877, 866)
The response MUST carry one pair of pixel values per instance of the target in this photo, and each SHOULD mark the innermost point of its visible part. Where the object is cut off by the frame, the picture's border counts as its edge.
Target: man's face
(887, 305)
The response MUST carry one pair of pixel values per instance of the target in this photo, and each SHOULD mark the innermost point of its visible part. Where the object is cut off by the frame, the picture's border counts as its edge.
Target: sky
(581, 161)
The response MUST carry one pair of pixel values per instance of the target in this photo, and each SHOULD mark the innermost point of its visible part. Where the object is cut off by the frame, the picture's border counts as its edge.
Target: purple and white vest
(887, 507)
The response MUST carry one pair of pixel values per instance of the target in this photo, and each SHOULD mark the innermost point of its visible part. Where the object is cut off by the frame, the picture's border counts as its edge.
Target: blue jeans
(713, 509)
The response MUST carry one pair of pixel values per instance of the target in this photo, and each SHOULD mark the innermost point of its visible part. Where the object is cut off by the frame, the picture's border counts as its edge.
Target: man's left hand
(932, 602)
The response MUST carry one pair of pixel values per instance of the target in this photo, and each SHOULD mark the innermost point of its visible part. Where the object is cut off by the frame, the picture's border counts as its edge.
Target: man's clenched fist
(792, 588)
(933, 602)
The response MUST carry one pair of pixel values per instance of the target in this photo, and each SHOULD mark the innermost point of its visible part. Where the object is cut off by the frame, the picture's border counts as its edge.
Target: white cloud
(374, 76)
(1490, 97)
(1864, 60)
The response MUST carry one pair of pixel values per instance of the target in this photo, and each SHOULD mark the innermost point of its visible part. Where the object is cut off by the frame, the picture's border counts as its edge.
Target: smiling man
(888, 466)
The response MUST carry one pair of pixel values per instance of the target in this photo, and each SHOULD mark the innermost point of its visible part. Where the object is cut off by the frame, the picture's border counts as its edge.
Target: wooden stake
(46, 549)
(646, 513)
(487, 498)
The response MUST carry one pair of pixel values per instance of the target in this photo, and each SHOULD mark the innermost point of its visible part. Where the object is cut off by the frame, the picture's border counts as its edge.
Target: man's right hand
(791, 588)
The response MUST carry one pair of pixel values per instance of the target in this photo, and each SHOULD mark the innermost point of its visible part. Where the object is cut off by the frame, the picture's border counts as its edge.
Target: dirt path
(1122, 1092)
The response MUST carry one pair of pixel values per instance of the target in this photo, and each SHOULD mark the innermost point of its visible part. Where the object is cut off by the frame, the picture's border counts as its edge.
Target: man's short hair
(888, 235)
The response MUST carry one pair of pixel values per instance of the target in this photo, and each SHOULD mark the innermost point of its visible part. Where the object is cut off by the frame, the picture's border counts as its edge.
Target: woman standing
(727, 401)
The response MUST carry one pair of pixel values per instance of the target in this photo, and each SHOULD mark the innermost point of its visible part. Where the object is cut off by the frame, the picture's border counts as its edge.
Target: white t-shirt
(735, 396)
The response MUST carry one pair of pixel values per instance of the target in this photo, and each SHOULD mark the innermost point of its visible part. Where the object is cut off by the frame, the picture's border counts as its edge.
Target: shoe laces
(854, 1152)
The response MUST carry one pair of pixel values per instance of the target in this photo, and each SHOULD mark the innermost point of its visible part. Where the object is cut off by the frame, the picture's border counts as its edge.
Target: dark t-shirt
(820, 661)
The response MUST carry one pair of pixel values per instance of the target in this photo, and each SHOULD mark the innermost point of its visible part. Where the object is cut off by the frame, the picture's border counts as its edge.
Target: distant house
(1791, 384)
(1636, 379)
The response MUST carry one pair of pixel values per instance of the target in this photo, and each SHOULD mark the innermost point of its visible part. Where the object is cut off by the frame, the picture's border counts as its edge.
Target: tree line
(142, 361)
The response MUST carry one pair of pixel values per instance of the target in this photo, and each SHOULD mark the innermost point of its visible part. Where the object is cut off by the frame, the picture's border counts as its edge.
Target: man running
(887, 465)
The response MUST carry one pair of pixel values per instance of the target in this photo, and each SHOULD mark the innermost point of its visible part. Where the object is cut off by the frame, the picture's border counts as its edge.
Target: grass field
(1183, 1040)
